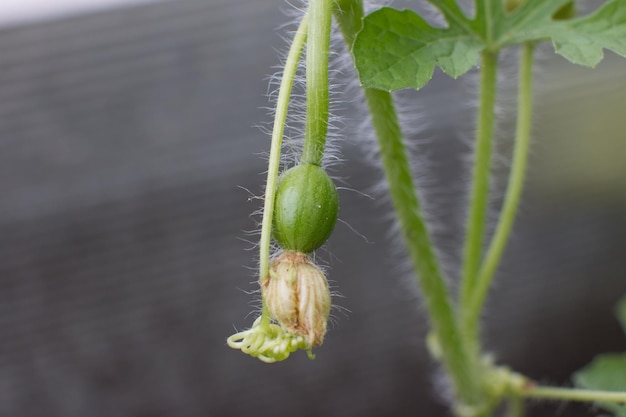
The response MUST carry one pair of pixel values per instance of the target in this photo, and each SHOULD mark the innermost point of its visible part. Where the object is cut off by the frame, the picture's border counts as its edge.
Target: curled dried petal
(297, 296)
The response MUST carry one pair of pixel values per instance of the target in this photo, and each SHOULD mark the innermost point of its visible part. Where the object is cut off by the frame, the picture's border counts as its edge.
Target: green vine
(406, 203)
(264, 340)
(282, 107)
(479, 196)
(320, 12)
(513, 194)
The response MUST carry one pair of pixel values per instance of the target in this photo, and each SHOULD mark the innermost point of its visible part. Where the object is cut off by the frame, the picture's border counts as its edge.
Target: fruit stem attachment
(513, 193)
(318, 46)
(282, 106)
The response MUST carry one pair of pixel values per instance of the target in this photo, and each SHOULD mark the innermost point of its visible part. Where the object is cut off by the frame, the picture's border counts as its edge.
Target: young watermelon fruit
(305, 209)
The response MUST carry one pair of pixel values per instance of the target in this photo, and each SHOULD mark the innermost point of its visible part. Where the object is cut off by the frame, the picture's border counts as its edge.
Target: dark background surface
(127, 146)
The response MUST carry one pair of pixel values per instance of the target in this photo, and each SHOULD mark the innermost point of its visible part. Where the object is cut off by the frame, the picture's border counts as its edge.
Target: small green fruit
(306, 208)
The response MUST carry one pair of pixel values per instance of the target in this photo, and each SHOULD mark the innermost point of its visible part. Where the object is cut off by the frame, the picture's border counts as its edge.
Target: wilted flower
(297, 296)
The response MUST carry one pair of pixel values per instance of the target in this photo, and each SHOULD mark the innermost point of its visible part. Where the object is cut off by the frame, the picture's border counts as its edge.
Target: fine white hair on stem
(442, 388)
(293, 138)
(409, 106)
(295, 124)
(503, 134)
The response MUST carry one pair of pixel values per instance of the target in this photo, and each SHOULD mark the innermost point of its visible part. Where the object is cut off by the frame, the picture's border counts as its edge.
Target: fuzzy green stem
(407, 207)
(573, 394)
(479, 194)
(406, 204)
(282, 106)
(513, 193)
(320, 15)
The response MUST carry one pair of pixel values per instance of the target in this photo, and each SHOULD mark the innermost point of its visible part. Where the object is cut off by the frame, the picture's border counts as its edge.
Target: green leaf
(582, 40)
(620, 312)
(531, 16)
(398, 49)
(608, 373)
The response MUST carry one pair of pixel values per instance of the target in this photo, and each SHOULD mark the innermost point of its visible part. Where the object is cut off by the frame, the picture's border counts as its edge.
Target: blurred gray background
(128, 156)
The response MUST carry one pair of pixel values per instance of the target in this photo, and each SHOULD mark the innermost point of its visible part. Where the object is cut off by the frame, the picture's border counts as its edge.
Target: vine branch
(479, 194)
(513, 194)
(282, 106)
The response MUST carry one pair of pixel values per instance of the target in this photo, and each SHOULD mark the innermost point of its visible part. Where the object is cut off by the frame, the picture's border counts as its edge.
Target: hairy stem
(406, 204)
(479, 194)
(320, 14)
(573, 394)
(282, 106)
(513, 193)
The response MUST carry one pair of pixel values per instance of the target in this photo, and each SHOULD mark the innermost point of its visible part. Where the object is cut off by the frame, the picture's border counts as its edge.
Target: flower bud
(297, 296)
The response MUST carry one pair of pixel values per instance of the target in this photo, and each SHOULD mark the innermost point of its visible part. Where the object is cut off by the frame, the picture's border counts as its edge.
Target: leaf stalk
(513, 194)
(479, 193)
(573, 394)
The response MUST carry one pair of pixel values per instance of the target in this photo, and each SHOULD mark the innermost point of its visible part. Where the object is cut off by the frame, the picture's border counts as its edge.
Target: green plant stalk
(318, 47)
(406, 204)
(479, 194)
(572, 394)
(513, 193)
(282, 106)
(408, 210)
(484, 8)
